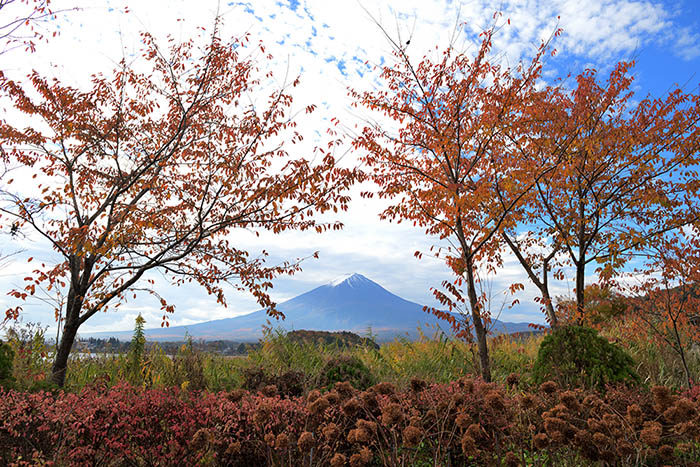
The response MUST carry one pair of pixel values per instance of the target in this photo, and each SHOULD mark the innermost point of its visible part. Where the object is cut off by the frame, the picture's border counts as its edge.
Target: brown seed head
(494, 400)
(318, 406)
(313, 395)
(338, 460)
(468, 445)
(306, 441)
(548, 387)
(412, 436)
(392, 414)
(651, 434)
(541, 441)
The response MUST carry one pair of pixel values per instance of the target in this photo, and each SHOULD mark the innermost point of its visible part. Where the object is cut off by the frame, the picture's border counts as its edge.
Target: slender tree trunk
(681, 353)
(60, 363)
(74, 304)
(549, 307)
(543, 284)
(479, 327)
(580, 286)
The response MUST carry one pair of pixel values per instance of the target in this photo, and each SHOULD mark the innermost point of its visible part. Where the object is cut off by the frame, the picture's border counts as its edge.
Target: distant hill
(352, 303)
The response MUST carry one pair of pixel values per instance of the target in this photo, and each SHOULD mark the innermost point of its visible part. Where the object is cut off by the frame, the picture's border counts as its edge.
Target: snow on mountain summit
(350, 279)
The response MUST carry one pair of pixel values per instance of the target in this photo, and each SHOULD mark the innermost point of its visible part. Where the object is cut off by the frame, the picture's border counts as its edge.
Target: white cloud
(334, 45)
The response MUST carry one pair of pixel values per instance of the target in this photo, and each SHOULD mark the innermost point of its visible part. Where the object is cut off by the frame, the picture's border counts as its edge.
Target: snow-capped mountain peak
(350, 279)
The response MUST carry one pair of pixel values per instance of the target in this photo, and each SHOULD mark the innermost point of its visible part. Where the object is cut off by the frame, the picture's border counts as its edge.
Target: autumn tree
(628, 173)
(157, 170)
(458, 117)
(20, 23)
(664, 294)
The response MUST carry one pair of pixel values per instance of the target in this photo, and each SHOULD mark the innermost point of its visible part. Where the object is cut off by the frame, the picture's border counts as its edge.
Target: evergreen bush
(346, 368)
(579, 356)
(6, 357)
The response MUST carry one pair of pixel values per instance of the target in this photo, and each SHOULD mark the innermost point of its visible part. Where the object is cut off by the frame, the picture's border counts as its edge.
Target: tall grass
(437, 358)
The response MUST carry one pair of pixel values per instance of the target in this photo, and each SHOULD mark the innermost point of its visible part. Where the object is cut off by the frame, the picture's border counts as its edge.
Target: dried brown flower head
(319, 406)
(333, 397)
(351, 407)
(528, 401)
(330, 432)
(624, 448)
(234, 448)
(392, 414)
(541, 441)
(548, 387)
(345, 389)
(513, 379)
(635, 415)
(269, 391)
(666, 452)
(468, 445)
(663, 398)
(570, 400)
(338, 460)
(201, 439)
(494, 400)
(412, 436)
(385, 388)
(236, 395)
(651, 434)
(463, 420)
(306, 441)
(313, 395)
(282, 441)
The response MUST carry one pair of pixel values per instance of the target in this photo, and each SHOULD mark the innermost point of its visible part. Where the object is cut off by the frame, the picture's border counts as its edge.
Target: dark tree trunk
(479, 327)
(580, 286)
(60, 363)
(74, 305)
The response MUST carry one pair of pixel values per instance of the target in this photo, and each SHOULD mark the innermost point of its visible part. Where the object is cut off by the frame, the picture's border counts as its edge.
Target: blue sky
(332, 45)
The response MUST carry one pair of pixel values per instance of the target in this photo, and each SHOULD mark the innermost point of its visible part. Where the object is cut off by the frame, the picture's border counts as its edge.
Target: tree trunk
(549, 308)
(60, 363)
(580, 285)
(479, 328)
(74, 304)
(542, 285)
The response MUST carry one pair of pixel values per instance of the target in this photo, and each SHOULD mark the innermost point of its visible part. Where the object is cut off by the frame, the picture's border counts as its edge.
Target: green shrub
(6, 357)
(346, 368)
(188, 368)
(135, 361)
(578, 356)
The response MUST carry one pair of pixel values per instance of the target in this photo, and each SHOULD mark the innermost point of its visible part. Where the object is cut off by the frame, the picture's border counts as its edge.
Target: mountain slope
(351, 303)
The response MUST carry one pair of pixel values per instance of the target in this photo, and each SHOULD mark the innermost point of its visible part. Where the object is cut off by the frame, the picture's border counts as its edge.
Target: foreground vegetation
(298, 401)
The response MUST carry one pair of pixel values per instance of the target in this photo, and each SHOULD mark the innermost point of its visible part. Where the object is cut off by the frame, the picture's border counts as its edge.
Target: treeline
(225, 347)
(113, 345)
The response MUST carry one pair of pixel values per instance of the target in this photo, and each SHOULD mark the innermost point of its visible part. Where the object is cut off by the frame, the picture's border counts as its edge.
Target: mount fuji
(350, 303)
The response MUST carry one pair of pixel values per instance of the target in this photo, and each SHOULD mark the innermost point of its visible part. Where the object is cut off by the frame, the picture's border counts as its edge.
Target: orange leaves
(154, 170)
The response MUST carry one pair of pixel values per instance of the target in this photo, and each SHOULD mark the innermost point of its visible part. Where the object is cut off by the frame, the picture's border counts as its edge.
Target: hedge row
(467, 422)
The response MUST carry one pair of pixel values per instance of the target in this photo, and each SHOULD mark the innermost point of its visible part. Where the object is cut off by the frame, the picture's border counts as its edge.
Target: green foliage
(135, 363)
(32, 357)
(346, 368)
(188, 368)
(6, 357)
(578, 356)
(343, 339)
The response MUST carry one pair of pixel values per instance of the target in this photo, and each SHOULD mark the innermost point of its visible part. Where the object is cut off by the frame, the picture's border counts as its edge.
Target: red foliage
(467, 421)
